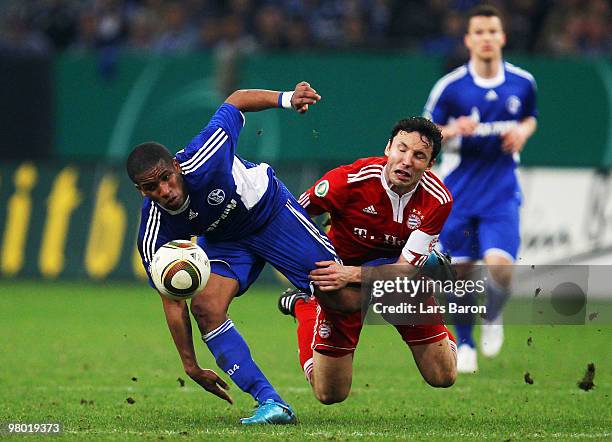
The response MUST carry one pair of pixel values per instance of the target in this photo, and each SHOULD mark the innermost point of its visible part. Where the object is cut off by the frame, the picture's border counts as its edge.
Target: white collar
(488, 83)
(180, 209)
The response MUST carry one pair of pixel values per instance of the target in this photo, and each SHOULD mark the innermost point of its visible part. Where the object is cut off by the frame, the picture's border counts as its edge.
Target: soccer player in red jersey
(380, 207)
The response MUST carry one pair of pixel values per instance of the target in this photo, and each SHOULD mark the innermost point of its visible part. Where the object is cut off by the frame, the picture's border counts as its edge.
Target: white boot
(467, 360)
(492, 337)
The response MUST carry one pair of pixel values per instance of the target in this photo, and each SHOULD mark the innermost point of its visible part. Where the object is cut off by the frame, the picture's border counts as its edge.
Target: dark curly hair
(423, 126)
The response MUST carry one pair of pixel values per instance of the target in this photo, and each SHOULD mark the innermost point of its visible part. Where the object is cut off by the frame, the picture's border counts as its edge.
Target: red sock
(306, 315)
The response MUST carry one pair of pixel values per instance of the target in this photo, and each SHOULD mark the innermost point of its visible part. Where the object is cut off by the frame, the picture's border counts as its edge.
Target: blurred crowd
(556, 27)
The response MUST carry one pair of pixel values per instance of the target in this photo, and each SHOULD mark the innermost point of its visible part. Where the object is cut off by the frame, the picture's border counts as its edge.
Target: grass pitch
(74, 353)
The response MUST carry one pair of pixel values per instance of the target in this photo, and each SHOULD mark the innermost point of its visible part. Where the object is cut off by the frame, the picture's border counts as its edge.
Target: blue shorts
(291, 242)
(471, 237)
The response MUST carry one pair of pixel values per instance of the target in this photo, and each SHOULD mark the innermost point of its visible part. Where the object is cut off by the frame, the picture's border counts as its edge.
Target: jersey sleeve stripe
(210, 153)
(303, 198)
(521, 73)
(150, 236)
(202, 150)
(153, 241)
(312, 229)
(147, 233)
(367, 169)
(440, 190)
(432, 191)
(363, 177)
(442, 84)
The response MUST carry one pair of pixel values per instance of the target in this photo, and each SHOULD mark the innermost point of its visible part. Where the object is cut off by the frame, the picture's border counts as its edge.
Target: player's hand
(331, 276)
(304, 96)
(211, 382)
(464, 126)
(514, 140)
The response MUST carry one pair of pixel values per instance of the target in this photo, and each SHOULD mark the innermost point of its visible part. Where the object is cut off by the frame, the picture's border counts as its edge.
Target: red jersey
(370, 221)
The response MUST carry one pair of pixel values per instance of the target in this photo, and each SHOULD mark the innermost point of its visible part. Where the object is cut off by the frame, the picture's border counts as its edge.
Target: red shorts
(337, 334)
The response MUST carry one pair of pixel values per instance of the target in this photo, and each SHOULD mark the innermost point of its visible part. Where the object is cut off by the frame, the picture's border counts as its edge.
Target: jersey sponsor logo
(216, 197)
(192, 214)
(322, 188)
(494, 128)
(362, 233)
(371, 210)
(415, 219)
(394, 240)
(230, 206)
(324, 330)
(513, 104)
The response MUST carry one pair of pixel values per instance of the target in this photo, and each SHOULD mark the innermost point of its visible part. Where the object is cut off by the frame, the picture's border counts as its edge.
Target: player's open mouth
(402, 175)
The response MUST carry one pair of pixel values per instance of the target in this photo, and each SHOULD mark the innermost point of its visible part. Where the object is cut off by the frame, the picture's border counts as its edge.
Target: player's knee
(330, 394)
(207, 312)
(330, 397)
(443, 377)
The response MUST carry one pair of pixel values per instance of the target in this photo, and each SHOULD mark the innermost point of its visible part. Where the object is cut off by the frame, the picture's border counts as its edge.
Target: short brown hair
(484, 11)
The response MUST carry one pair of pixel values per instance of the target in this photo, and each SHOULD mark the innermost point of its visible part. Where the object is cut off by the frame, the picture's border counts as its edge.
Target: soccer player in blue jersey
(244, 217)
(487, 112)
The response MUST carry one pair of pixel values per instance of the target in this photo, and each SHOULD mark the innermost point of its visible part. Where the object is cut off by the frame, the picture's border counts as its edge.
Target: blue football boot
(271, 412)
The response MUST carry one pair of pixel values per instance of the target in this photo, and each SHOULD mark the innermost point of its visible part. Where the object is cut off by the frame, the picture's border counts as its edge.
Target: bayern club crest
(324, 330)
(414, 221)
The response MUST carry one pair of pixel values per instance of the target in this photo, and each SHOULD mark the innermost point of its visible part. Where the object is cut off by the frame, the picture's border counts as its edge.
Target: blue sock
(234, 357)
(464, 334)
(464, 322)
(496, 299)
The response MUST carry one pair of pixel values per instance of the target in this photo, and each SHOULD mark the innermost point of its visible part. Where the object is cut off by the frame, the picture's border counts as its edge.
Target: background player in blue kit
(244, 217)
(487, 112)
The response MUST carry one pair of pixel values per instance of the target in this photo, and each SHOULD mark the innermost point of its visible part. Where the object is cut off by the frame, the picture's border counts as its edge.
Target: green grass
(62, 344)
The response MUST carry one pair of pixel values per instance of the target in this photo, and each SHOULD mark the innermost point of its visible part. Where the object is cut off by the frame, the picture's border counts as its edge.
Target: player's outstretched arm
(253, 100)
(331, 276)
(177, 317)
(464, 125)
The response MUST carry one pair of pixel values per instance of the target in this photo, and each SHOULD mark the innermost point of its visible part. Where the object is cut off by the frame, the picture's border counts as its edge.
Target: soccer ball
(180, 269)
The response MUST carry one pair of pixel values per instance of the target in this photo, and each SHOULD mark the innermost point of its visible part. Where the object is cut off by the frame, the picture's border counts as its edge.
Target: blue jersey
(228, 198)
(478, 173)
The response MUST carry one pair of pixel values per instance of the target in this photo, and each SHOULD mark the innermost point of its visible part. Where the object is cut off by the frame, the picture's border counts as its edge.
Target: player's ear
(177, 165)
(388, 148)
(431, 163)
(503, 39)
(139, 189)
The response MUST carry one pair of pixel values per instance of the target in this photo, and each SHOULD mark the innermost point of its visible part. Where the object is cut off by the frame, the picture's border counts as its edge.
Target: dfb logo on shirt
(216, 197)
(322, 188)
